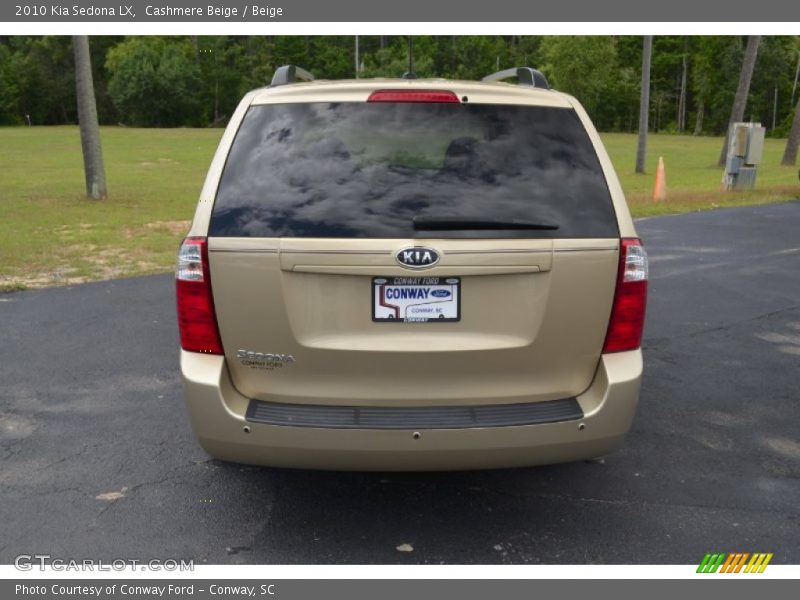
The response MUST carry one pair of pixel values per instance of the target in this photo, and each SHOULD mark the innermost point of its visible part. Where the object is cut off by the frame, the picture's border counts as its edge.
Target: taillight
(630, 299)
(197, 320)
(441, 96)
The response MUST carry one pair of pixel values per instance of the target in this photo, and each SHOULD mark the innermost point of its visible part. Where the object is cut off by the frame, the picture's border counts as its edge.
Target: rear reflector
(627, 314)
(441, 96)
(197, 320)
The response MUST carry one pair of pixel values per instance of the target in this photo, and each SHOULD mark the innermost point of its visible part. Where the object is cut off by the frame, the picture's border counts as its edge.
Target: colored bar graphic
(728, 564)
(741, 563)
(766, 562)
(720, 558)
(734, 562)
(711, 563)
(759, 563)
(701, 567)
(750, 564)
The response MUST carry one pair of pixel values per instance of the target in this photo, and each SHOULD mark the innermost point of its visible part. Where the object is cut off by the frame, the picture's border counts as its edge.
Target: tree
(198, 80)
(712, 58)
(392, 61)
(588, 68)
(87, 119)
(44, 78)
(9, 91)
(222, 61)
(644, 103)
(790, 154)
(740, 100)
(156, 82)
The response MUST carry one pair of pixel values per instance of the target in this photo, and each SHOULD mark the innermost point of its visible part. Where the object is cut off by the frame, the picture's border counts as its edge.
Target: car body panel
(217, 413)
(294, 316)
(532, 326)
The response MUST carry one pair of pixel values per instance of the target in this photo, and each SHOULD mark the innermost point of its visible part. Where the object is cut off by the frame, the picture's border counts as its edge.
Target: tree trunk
(216, 102)
(698, 122)
(356, 58)
(790, 154)
(682, 100)
(774, 108)
(740, 101)
(644, 103)
(87, 118)
(659, 104)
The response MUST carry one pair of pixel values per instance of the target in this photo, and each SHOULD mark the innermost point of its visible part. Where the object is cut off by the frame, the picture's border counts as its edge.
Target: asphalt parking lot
(97, 458)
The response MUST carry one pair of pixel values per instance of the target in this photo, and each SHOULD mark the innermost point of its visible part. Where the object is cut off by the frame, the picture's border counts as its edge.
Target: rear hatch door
(319, 206)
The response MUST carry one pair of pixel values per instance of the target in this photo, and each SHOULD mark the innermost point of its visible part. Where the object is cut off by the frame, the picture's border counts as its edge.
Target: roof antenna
(410, 73)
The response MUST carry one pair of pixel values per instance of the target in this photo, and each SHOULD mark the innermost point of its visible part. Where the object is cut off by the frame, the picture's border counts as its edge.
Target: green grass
(693, 178)
(15, 286)
(50, 234)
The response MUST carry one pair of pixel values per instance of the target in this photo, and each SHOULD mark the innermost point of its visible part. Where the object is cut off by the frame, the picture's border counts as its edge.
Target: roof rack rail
(524, 75)
(290, 74)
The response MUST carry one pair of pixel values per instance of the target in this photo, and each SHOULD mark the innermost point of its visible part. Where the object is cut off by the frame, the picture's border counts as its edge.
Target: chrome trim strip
(366, 252)
(533, 251)
(389, 252)
(246, 250)
(501, 251)
(587, 249)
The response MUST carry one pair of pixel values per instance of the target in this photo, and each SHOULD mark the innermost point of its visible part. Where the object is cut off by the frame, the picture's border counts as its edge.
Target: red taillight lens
(197, 320)
(627, 314)
(441, 96)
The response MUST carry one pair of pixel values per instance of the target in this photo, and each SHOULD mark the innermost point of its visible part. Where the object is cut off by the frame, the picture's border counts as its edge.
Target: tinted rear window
(366, 170)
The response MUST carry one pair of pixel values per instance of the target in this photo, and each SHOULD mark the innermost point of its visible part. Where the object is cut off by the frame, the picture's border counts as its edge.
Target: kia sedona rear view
(411, 275)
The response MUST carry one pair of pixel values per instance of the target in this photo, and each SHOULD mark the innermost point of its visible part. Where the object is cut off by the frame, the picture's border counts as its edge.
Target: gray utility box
(745, 149)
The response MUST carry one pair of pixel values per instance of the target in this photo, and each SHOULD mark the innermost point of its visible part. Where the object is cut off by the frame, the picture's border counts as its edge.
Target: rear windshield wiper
(470, 223)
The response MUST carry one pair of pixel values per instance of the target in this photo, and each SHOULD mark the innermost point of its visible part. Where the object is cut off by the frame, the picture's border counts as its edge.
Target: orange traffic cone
(660, 190)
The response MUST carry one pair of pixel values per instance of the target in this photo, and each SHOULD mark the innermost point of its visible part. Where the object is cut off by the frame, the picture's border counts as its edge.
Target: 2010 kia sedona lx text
(411, 275)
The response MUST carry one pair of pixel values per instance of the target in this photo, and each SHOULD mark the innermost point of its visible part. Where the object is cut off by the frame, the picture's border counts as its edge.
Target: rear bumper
(218, 416)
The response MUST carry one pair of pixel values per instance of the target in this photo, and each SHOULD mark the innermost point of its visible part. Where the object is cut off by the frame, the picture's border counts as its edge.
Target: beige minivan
(409, 274)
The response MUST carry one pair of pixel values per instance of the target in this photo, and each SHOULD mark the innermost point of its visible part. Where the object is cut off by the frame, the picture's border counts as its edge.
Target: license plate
(416, 299)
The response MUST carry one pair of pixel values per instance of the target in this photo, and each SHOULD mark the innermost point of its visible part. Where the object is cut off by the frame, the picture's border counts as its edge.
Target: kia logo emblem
(417, 257)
